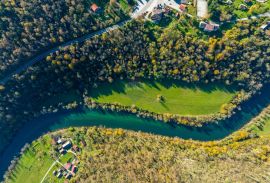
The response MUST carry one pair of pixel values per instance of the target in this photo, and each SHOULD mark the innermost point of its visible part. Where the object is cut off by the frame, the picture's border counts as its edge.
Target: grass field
(265, 130)
(33, 164)
(36, 161)
(179, 98)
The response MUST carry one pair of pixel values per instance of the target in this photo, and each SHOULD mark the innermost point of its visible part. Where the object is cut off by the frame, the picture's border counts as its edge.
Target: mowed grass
(179, 98)
(34, 163)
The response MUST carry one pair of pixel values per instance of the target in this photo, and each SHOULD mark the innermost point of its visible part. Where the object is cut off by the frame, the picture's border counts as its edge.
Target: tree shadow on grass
(164, 105)
(119, 86)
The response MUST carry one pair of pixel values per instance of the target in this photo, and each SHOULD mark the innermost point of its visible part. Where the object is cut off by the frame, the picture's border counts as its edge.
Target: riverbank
(86, 117)
(104, 150)
(175, 97)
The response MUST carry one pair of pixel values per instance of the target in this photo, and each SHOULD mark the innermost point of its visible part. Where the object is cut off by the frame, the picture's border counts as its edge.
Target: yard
(37, 164)
(254, 8)
(34, 163)
(178, 98)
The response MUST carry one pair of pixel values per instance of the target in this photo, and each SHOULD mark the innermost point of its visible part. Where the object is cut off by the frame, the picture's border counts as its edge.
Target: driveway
(202, 8)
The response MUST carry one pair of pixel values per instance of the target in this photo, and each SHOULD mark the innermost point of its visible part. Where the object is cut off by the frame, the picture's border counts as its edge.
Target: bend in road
(57, 48)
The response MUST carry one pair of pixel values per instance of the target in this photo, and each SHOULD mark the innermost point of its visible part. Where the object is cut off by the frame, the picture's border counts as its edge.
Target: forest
(236, 56)
(139, 50)
(29, 27)
(125, 156)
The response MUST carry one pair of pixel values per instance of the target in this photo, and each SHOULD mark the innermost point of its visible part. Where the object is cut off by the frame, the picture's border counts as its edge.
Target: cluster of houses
(68, 170)
(160, 10)
(243, 6)
(62, 146)
(208, 26)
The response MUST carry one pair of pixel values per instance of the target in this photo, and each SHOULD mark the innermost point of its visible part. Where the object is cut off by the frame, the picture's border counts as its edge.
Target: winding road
(57, 48)
(146, 6)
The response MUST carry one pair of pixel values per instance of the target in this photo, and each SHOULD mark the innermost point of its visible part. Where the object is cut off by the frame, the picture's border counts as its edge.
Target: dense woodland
(239, 55)
(139, 50)
(116, 155)
(28, 27)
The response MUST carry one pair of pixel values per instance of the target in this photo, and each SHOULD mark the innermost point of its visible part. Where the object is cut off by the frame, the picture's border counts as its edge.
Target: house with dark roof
(243, 7)
(67, 145)
(68, 176)
(202, 24)
(157, 15)
(73, 170)
(265, 26)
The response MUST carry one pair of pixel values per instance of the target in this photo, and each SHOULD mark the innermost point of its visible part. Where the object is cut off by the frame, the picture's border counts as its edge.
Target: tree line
(138, 50)
(29, 27)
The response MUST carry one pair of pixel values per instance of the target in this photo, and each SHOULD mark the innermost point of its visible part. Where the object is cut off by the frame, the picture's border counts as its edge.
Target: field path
(48, 171)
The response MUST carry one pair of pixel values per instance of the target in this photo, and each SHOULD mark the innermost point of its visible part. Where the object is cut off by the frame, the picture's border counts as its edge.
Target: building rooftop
(94, 7)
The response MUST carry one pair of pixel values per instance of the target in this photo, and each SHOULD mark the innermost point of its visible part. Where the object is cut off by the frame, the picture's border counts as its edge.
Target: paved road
(202, 8)
(146, 7)
(46, 53)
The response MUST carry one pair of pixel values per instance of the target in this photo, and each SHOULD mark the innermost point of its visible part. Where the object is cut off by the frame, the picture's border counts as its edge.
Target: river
(85, 117)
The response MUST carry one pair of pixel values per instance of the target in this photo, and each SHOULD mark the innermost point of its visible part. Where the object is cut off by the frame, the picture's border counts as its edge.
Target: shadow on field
(119, 86)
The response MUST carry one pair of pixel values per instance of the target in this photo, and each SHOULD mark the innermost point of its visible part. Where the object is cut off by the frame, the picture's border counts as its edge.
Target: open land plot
(178, 98)
(34, 163)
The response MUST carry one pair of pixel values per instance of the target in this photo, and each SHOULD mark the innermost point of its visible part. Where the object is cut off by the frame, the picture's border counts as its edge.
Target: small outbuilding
(68, 176)
(94, 8)
(59, 175)
(202, 24)
(62, 151)
(243, 7)
(265, 26)
(83, 143)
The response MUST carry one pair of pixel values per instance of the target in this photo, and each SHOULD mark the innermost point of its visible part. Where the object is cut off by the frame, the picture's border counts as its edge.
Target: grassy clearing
(125, 6)
(51, 178)
(264, 130)
(66, 158)
(179, 98)
(34, 163)
(254, 8)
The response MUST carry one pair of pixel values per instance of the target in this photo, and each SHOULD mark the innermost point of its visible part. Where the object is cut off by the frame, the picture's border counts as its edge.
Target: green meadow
(177, 97)
(34, 163)
(265, 129)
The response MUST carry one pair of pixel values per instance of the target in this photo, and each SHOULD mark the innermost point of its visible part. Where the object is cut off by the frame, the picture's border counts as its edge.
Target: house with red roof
(94, 8)
(182, 7)
(67, 166)
(209, 27)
